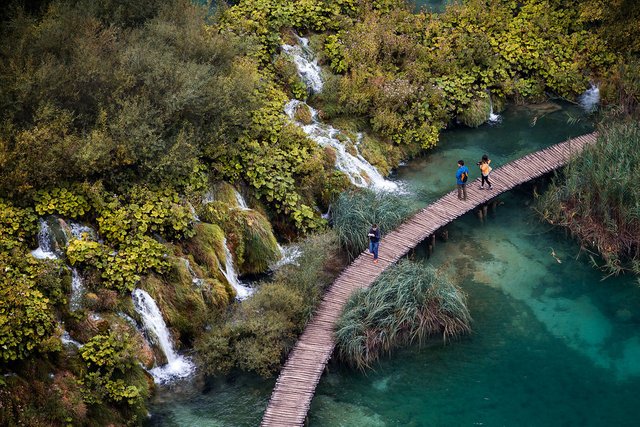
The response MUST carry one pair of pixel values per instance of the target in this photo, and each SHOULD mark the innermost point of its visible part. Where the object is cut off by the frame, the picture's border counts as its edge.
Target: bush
(597, 197)
(354, 212)
(26, 315)
(407, 303)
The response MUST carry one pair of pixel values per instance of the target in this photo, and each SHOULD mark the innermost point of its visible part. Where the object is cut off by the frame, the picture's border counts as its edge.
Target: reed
(407, 304)
(355, 211)
(598, 199)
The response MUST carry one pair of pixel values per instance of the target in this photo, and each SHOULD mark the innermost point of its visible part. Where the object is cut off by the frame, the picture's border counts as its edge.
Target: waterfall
(493, 117)
(242, 291)
(288, 255)
(77, 290)
(194, 277)
(242, 204)
(360, 172)
(67, 340)
(306, 64)
(177, 366)
(194, 214)
(590, 98)
(45, 239)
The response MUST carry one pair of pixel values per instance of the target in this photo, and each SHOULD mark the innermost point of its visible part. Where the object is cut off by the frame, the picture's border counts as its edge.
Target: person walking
(374, 241)
(485, 170)
(462, 175)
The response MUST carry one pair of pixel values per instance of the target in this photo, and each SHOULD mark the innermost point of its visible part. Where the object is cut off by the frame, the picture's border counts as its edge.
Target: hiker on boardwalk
(461, 177)
(374, 241)
(485, 170)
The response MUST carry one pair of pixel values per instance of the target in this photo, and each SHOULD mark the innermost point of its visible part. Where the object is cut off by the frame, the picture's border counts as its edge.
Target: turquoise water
(553, 344)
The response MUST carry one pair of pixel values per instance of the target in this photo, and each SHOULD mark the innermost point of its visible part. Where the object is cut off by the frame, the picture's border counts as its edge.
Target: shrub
(16, 226)
(26, 317)
(407, 303)
(597, 198)
(354, 212)
(110, 361)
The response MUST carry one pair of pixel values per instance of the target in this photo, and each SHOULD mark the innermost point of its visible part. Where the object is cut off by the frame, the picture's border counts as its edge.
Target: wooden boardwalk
(299, 377)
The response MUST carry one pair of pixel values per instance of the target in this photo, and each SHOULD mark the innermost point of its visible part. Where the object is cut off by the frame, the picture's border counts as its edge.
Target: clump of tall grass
(407, 303)
(598, 198)
(355, 211)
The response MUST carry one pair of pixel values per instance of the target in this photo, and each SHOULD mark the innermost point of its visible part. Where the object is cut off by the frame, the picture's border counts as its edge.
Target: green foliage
(476, 113)
(26, 317)
(120, 270)
(407, 303)
(61, 201)
(354, 212)
(598, 199)
(16, 226)
(108, 359)
(146, 212)
(409, 74)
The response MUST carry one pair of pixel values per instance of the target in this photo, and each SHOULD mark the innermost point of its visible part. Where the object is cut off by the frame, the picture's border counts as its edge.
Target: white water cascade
(77, 290)
(361, 173)
(194, 277)
(288, 255)
(306, 64)
(45, 239)
(493, 117)
(242, 203)
(67, 340)
(590, 99)
(177, 366)
(242, 291)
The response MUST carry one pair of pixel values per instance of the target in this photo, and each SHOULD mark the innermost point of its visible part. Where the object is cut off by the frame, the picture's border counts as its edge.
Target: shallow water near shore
(553, 344)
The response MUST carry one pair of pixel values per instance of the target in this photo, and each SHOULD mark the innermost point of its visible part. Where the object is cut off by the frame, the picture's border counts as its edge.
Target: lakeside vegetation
(408, 303)
(126, 115)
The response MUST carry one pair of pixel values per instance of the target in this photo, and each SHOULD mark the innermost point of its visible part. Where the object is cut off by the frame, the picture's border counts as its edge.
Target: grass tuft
(407, 303)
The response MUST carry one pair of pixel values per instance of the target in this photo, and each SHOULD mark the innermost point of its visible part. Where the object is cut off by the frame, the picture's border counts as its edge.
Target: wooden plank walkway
(301, 373)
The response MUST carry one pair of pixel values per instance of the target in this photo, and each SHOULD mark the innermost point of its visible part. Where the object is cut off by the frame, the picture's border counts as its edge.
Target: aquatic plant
(597, 198)
(355, 211)
(407, 303)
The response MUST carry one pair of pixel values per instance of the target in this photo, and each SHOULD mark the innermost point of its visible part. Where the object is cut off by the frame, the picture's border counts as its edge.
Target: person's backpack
(464, 176)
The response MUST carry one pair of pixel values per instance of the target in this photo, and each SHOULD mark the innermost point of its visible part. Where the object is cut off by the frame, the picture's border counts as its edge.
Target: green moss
(476, 113)
(224, 192)
(303, 114)
(259, 247)
(182, 303)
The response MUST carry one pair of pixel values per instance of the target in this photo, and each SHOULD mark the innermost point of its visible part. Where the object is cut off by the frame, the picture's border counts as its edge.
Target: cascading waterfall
(242, 203)
(229, 272)
(177, 366)
(590, 99)
(45, 243)
(77, 290)
(360, 172)
(194, 277)
(306, 64)
(493, 117)
(288, 255)
(67, 340)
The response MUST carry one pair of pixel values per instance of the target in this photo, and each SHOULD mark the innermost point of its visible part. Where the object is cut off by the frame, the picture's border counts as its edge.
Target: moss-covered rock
(476, 113)
(183, 304)
(303, 114)
(257, 247)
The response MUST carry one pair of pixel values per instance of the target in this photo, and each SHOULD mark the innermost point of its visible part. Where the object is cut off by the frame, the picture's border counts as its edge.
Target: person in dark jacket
(374, 241)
